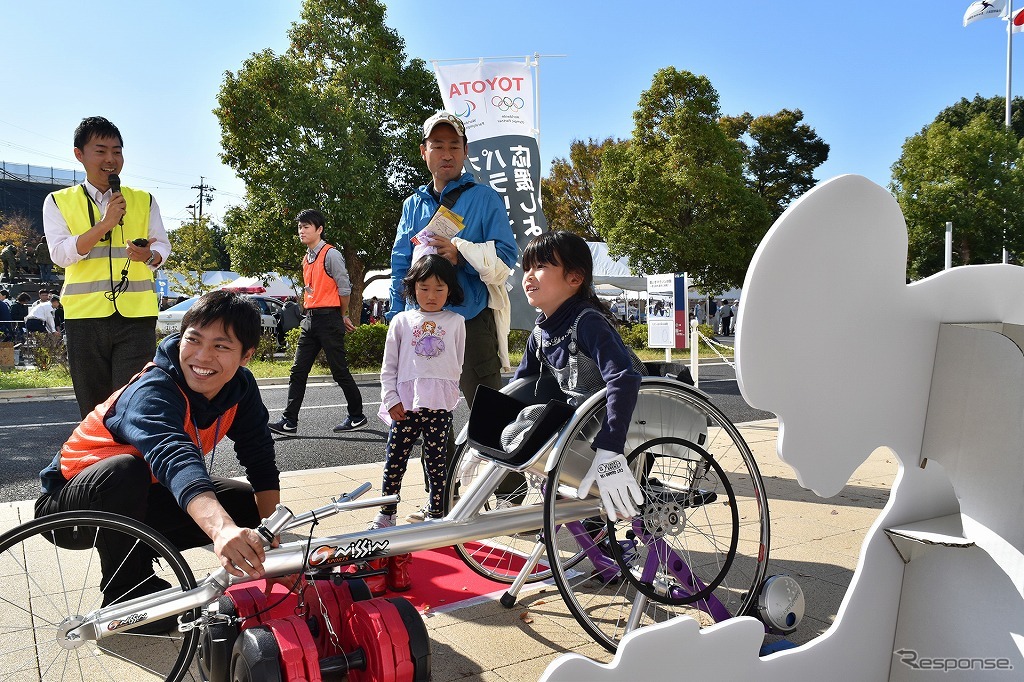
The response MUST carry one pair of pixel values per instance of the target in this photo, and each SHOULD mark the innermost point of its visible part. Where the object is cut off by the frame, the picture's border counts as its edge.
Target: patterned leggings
(434, 425)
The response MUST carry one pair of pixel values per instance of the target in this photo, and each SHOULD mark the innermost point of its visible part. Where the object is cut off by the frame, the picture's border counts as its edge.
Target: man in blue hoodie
(485, 220)
(444, 150)
(142, 453)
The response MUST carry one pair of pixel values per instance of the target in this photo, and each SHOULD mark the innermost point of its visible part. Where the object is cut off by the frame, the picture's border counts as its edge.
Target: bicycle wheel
(52, 577)
(499, 558)
(700, 544)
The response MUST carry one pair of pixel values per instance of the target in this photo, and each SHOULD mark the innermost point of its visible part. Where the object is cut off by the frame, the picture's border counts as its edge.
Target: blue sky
(867, 75)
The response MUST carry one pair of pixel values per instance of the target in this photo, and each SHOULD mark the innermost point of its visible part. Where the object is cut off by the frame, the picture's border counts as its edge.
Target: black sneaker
(284, 425)
(350, 424)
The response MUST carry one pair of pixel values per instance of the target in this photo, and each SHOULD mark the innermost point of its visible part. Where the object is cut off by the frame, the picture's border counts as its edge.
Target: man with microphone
(109, 239)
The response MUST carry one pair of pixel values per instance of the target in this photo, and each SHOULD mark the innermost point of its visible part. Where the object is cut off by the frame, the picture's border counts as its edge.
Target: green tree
(970, 176)
(333, 124)
(674, 199)
(965, 111)
(220, 247)
(17, 229)
(194, 251)
(781, 157)
(568, 191)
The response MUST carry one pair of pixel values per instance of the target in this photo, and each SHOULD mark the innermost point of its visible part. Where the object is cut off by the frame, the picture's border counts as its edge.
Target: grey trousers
(104, 353)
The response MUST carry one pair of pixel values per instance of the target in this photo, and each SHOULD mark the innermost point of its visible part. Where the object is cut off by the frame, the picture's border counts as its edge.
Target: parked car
(169, 321)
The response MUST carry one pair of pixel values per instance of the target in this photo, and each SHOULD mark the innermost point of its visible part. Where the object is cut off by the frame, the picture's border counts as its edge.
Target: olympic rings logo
(508, 103)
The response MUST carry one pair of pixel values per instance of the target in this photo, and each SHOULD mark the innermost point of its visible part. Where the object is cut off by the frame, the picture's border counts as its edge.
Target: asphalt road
(32, 432)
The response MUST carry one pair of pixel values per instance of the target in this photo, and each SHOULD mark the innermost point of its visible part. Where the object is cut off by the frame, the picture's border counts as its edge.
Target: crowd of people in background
(20, 268)
(24, 314)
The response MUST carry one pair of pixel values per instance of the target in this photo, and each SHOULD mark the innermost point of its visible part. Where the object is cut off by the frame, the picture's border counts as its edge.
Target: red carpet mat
(441, 581)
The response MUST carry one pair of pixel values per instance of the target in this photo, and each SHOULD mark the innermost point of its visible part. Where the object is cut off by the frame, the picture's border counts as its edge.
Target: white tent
(613, 273)
(379, 288)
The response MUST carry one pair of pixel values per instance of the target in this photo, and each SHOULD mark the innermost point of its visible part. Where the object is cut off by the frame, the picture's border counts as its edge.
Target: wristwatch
(152, 257)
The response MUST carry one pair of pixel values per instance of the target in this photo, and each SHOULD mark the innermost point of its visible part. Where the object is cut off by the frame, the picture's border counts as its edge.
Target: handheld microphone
(115, 188)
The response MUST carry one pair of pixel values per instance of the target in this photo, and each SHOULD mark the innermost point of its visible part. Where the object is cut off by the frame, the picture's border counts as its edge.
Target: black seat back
(493, 411)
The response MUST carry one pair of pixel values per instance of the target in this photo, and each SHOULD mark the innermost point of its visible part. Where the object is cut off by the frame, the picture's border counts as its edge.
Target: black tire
(46, 584)
(692, 462)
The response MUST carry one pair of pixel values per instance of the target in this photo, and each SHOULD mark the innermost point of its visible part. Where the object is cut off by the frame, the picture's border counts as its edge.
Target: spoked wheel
(700, 544)
(501, 558)
(52, 576)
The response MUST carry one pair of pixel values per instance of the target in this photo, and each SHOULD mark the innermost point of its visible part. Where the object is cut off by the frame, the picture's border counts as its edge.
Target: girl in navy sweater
(575, 340)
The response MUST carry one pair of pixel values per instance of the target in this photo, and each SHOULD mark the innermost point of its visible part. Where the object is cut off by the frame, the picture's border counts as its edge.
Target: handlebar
(283, 519)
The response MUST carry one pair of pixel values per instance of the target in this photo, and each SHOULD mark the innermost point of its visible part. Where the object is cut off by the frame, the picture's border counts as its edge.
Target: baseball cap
(446, 118)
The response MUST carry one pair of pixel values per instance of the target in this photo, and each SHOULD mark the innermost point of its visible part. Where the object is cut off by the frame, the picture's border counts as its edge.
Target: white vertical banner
(496, 101)
(491, 98)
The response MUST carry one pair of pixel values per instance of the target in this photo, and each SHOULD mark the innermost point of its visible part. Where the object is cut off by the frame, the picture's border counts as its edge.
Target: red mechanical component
(249, 601)
(300, 660)
(404, 665)
(378, 584)
(328, 602)
(383, 640)
(366, 629)
(399, 579)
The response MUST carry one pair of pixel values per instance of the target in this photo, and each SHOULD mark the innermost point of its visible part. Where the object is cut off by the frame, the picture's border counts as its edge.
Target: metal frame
(467, 521)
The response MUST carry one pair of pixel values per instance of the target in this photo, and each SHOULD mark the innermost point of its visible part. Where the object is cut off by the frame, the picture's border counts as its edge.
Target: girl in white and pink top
(420, 379)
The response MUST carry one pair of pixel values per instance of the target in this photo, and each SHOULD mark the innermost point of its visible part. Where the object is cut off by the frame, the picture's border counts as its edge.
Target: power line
(205, 196)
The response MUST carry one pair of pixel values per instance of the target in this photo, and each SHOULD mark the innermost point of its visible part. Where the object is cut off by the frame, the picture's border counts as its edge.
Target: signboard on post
(667, 324)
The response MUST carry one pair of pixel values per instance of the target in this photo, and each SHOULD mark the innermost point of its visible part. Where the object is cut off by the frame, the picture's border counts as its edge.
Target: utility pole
(205, 194)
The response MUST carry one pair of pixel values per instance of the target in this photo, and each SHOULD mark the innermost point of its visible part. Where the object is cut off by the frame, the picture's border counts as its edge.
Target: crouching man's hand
(239, 550)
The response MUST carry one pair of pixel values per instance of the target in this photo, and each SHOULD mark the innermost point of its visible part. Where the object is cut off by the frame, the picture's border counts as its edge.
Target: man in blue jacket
(444, 150)
(485, 220)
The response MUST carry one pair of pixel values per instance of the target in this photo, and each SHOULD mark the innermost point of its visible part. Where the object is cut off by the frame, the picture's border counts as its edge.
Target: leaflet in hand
(444, 223)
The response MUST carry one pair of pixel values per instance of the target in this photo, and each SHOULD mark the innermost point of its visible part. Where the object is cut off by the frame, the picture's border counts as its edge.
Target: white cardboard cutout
(862, 377)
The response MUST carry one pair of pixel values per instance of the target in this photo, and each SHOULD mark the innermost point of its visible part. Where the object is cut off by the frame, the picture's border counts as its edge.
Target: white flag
(1018, 21)
(984, 9)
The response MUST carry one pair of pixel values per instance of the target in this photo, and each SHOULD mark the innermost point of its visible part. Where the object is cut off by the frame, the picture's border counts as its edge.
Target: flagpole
(1009, 72)
(1009, 56)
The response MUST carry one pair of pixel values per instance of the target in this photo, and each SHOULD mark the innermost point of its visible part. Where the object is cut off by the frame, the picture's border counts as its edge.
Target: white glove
(469, 468)
(616, 484)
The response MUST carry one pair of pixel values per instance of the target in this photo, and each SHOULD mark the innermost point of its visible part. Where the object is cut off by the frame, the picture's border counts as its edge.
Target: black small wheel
(53, 573)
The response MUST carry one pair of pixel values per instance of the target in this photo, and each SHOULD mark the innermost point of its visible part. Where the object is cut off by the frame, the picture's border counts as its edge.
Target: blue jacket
(485, 219)
(150, 416)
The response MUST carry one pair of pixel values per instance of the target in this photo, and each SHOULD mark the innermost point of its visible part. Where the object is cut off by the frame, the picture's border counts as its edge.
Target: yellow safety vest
(88, 284)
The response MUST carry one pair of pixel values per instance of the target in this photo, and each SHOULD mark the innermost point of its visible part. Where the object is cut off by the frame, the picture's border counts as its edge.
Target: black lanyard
(89, 201)
(115, 289)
